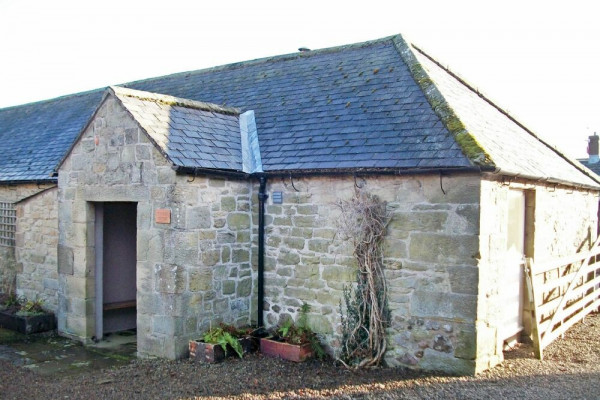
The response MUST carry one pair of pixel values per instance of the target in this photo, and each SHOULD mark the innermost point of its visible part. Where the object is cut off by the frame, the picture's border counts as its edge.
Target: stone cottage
(170, 204)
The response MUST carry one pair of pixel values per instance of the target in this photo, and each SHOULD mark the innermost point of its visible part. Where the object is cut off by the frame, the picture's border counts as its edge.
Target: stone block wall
(10, 265)
(18, 192)
(191, 273)
(573, 228)
(36, 244)
(563, 221)
(430, 258)
(8, 269)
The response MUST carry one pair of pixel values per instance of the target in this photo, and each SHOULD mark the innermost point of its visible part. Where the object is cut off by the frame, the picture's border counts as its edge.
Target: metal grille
(8, 223)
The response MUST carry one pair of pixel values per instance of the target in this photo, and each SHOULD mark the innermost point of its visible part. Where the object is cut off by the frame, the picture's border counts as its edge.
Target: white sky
(539, 60)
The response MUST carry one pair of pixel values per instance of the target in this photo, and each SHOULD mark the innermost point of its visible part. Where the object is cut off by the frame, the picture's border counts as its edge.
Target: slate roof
(594, 167)
(509, 146)
(190, 134)
(369, 106)
(349, 107)
(34, 137)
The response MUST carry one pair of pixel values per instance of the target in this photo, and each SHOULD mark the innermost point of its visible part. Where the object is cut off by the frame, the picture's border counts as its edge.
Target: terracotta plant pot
(206, 352)
(287, 351)
(213, 353)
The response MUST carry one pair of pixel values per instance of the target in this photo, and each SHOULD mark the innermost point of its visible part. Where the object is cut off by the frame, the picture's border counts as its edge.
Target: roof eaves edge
(359, 171)
(547, 180)
(467, 142)
(10, 182)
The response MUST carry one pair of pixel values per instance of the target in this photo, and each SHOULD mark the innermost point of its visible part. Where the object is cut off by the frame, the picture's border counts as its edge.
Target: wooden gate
(561, 293)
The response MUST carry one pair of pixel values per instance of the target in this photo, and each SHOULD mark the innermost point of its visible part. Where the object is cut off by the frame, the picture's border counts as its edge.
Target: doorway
(518, 242)
(116, 256)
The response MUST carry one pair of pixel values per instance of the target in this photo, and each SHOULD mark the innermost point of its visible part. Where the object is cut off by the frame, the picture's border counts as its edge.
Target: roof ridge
(467, 142)
(265, 60)
(173, 101)
(281, 57)
(485, 98)
(61, 97)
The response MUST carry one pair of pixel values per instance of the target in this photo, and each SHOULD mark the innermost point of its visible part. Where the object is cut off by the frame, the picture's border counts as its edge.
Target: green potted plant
(222, 341)
(25, 316)
(293, 341)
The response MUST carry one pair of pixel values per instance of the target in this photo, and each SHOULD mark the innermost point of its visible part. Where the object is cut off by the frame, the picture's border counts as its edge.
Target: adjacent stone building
(157, 209)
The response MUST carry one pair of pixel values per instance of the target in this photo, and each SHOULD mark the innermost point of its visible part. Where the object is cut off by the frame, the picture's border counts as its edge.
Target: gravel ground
(570, 370)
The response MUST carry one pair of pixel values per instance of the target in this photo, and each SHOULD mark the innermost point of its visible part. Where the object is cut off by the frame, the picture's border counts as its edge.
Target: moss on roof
(467, 142)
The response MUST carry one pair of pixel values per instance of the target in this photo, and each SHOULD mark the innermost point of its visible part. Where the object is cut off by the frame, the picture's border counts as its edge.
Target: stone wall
(563, 221)
(9, 265)
(36, 243)
(442, 260)
(430, 262)
(18, 192)
(191, 273)
(574, 227)
(8, 269)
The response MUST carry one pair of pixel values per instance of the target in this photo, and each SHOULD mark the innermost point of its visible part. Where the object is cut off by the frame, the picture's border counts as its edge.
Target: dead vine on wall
(363, 222)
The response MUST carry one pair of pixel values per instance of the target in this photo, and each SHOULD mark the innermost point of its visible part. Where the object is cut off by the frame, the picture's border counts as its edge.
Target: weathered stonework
(443, 255)
(191, 273)
(8, 269)
(564, 221)
(430, 258)
(29, 269)
(36, 247)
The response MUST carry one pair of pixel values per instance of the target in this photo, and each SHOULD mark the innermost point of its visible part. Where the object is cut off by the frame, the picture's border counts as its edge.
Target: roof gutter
(547, 180)
(195, 171)
(51, 181)
(378, 171)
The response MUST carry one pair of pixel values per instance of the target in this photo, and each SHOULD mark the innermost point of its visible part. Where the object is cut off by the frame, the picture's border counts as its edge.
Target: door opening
(116, 231)
(512, 286)
(520, 232)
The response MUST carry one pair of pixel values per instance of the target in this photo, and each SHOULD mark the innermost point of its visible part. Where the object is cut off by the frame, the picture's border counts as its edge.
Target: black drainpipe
(262, 197)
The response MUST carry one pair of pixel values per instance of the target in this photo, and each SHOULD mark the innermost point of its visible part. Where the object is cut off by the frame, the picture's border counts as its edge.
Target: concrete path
(50, 354)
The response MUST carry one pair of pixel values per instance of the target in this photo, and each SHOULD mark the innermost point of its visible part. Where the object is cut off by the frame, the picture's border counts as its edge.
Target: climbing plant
(363, 223)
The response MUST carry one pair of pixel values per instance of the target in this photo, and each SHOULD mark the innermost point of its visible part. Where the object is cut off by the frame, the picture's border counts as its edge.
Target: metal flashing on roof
(251, 161)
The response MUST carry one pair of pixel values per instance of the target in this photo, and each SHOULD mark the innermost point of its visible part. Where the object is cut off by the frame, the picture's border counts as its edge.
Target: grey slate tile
(317, 110)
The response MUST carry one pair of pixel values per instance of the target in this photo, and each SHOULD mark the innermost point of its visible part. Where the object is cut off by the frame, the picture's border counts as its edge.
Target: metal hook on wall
(292, 182)
(362, 185)
(193, 177)
(442, 184)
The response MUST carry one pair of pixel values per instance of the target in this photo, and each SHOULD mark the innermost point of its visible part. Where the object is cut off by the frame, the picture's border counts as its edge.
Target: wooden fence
(561, 293)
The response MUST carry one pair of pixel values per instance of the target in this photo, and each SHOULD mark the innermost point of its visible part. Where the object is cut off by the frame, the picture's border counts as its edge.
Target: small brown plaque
(162, 216)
